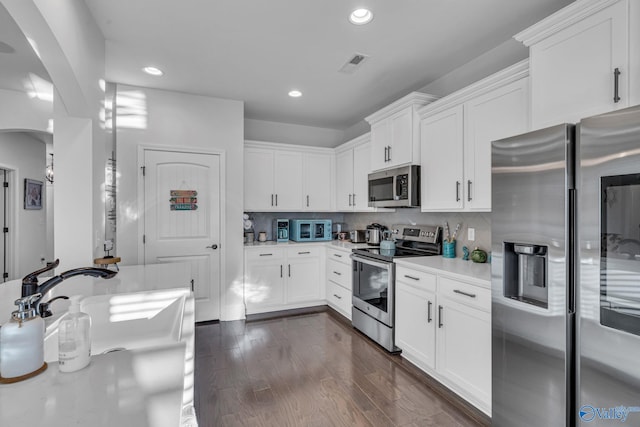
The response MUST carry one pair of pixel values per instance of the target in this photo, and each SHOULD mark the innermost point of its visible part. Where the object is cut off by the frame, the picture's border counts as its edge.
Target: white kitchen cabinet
(464, 341)
(279, 279)
(264, 279)
(395, 132)
(287, 178)
(456, 135)
(303, 275)
(574, 55)
(443, 326)
(416, 317)
(339, 280)
(353, 165)
(318, 181)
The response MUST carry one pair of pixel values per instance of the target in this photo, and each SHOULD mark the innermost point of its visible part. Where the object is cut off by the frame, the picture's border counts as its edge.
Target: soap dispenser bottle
(22, 342)
(74, 338)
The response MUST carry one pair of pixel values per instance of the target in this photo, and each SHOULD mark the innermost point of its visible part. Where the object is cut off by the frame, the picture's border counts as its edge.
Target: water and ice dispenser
(525, 273)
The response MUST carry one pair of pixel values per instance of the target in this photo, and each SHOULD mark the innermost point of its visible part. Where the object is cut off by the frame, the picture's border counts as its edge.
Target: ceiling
(258, 50)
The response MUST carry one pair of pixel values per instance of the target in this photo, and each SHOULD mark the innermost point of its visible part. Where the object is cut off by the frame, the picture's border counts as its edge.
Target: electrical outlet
(471, 234)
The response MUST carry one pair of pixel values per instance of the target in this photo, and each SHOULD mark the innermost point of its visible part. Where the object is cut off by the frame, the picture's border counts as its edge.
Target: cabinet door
(442, 150)
(288, 180)
(498, 114)
(464, 348)
(258, 181)
(401, 151)
(380, 142)
(318, 182)
(303, 280)
(344, 180)
(264, 286)
(415, 324)
(361, 171)
(572, 70)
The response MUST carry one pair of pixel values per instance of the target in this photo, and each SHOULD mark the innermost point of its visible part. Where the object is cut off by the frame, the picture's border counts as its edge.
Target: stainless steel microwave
(395, 188)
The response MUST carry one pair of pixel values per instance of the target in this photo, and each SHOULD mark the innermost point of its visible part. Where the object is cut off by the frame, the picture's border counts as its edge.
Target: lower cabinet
(283, 278)
(339, 281)
(443, 326)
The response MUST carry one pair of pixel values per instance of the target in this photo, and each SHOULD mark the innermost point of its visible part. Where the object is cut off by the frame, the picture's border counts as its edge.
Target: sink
(127, 321)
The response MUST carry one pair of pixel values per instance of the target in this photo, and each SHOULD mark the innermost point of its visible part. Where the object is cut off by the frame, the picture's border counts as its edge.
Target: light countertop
(454, 267)
(328, 243)
(131, 388)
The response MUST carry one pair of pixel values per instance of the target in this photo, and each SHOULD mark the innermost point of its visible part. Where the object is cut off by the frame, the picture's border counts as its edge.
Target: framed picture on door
(32, 194)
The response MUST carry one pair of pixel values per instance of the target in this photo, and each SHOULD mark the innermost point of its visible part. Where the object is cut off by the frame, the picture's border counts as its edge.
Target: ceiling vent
(353, 63)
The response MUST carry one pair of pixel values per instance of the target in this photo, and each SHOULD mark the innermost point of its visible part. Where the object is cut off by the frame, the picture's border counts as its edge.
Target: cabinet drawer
(339, 256)
(465, 293)
(339, 298)
(416, 278)
(264, 254)
(339, 273)
(302, 252)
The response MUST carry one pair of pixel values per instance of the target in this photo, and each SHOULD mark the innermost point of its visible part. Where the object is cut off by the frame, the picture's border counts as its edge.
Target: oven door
(373, 291)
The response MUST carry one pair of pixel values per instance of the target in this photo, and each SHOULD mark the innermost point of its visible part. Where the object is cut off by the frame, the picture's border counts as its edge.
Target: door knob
(214, 246)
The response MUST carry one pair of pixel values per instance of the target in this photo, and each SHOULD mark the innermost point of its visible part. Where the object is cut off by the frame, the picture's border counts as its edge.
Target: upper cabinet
(584, 61)
(353, 165)
(287, 178)
(456, 134)
(395, 132)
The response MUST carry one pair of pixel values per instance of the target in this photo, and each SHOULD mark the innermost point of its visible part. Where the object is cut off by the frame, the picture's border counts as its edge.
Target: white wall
(25, 155)
(172, 119)
(286, 133)
(20, 112)
(72, 50)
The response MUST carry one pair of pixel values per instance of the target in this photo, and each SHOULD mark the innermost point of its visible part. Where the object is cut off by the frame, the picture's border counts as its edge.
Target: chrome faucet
(30, 284)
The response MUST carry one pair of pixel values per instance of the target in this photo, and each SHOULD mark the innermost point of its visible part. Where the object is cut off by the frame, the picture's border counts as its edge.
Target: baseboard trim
(286, 313)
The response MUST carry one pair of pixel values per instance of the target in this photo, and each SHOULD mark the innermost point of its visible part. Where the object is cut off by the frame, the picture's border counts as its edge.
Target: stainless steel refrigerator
(566, 274)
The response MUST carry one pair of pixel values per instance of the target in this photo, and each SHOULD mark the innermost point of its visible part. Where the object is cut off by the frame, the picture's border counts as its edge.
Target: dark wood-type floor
(308, 370)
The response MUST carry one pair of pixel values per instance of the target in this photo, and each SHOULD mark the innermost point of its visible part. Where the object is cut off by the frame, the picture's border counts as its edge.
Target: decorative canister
(478, 255)
(449, 249)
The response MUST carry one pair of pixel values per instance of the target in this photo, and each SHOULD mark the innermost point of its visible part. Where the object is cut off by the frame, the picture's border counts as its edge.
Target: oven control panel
(417, 233)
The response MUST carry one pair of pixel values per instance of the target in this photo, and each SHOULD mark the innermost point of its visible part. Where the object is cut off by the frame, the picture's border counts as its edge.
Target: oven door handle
(375, 263)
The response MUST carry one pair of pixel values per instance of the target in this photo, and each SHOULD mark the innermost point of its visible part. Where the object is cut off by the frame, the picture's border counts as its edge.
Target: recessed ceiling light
(360, 16)
(295, 93)
(153, 71)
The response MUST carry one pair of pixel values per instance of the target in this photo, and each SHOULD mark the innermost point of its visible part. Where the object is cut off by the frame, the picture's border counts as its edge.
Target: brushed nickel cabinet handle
(280, 270)
(272, 200)
(464, 293)
(354, 199)
(411, 277)
(350, 200)
(337, 296)
(429, 319)
(307, 200)
(304, 253)
(337, 273)
(337, 255)
(276, 200)
(457, 192)
(266, 254)
(468, 190)
(389, 152)
(440, 324)
(289, 270)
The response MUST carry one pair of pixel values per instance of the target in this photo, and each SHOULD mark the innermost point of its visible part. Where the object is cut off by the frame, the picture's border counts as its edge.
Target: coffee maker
(281, 230)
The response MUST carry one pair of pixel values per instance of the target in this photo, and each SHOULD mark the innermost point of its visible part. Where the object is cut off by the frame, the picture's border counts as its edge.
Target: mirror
(26, 150)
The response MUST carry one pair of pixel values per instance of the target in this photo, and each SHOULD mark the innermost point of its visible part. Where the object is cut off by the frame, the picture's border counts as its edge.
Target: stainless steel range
(374, 279)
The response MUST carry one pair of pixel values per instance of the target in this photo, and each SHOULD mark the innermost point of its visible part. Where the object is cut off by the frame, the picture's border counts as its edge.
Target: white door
(182, 220)
(288, 181)
(318, 182)
(258, 183)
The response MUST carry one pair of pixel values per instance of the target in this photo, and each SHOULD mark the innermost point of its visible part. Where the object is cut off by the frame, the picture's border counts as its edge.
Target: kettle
(388, 244)
(373, 234)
